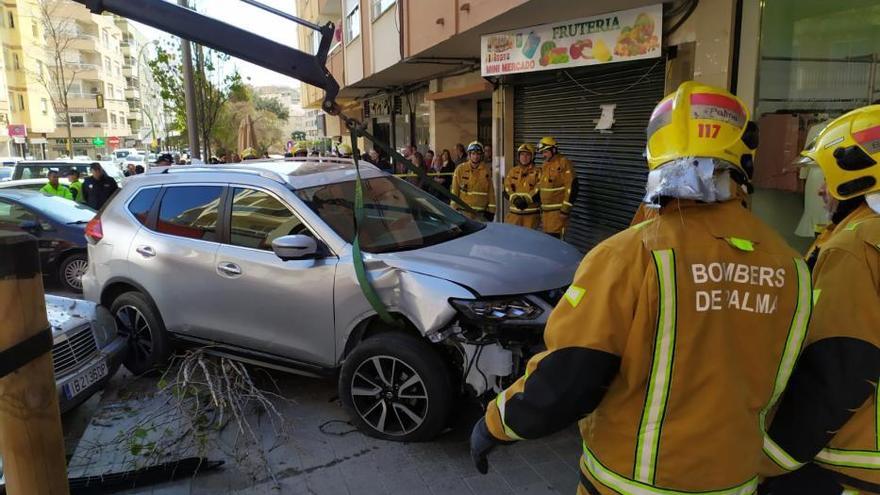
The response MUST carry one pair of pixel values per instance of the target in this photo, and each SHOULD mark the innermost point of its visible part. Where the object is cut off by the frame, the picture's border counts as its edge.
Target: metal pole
(189, 93)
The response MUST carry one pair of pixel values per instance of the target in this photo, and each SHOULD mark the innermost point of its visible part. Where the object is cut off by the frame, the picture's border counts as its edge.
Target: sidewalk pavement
(338, 460)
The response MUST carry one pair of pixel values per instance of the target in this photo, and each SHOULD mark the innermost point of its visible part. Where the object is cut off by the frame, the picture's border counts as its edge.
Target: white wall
(386, 41)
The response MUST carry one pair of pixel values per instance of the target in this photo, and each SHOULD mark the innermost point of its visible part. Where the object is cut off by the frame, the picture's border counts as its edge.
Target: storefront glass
(818, 60)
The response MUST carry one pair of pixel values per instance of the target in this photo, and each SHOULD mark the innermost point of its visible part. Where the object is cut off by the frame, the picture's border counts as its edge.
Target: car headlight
(497, 310)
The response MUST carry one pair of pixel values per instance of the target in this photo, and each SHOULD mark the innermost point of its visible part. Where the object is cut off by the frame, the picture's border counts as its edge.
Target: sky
(253, 19)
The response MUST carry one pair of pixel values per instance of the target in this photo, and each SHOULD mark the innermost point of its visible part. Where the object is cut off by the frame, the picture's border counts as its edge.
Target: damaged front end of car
(492, 338)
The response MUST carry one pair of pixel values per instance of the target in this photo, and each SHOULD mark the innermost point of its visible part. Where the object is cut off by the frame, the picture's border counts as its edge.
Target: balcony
(132, 92)
(88, 71)
(86, 42)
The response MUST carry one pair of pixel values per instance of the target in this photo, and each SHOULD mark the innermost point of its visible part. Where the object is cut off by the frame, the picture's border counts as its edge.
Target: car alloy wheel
(389, 395)
(74, 271)
(134, 326)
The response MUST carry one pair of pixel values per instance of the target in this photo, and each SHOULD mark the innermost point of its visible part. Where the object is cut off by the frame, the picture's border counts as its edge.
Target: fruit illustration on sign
(637, 39)
(581, 48)
(559, 55)
(546, 48)
(601, 51)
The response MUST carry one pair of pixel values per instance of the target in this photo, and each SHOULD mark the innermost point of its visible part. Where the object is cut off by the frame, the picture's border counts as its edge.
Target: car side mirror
(31, 226)
(295, 247)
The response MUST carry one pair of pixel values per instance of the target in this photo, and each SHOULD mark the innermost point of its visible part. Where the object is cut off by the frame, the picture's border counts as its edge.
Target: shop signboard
(113, 141)
(98, 142)
(17, 130)
(615, 37)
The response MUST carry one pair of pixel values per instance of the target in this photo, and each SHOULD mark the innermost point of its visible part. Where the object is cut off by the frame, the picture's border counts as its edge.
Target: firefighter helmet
(546, 143)
(526, 147)
(701, 121)
(475, 146)
(848, 151)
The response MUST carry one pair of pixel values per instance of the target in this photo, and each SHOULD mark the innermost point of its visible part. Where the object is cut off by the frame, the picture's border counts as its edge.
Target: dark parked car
(59, 225)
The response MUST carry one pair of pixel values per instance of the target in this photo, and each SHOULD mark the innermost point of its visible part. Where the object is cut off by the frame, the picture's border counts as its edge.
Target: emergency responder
(54, 188)
(300, 151)
(521, 188)
(826, 431)
(472, 182)
(558, 187)
(343, 150)
(677, 335)
(75, 185)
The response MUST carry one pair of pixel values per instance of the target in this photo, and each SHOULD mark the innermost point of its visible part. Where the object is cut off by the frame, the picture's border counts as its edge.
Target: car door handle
(230, 269)
(146, 251)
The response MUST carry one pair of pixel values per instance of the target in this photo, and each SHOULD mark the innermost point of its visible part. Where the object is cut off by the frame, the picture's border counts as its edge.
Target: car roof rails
(262, 172)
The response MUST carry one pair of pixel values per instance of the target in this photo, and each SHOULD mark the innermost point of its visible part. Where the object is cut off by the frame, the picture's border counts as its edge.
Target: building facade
(29, 112)
(417, 73)
(146, 117)
(93, 63)
(290, 100)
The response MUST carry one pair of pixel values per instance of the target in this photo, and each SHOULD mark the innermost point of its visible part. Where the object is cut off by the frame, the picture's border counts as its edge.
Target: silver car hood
(497, 260)
(65, 314)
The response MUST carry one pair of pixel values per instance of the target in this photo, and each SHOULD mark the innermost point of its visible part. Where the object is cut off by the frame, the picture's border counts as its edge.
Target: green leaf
(136, 448)
(140, 433)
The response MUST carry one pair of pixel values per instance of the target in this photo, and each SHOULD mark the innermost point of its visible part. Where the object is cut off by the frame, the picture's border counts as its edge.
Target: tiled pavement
(314, 462)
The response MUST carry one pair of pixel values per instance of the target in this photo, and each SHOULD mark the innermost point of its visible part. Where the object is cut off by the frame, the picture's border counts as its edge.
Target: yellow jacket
(558, 189)
(473, 184)
(523, 182)
(674, 339)
(830, 413)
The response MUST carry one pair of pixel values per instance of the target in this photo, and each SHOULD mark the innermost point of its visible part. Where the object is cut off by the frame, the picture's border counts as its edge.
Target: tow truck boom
(210, 32)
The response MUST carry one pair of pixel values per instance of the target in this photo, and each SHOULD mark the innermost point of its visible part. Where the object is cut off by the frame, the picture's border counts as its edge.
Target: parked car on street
(86, 351)
(5, 173)
(256, 261)
(59, 225)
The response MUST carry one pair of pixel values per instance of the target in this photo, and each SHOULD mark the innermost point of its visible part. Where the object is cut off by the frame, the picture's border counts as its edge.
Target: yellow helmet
(848, 151)
(528, 148)
(344, 149)
(546, 143)
(701, 121)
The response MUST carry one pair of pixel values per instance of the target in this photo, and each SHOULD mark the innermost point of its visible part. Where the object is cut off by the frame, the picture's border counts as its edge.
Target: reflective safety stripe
(566, 203)
(643, 223)
(553, 206)
(626, 486)
(862, 459)
(475, 193)
(849, 492)
(527, 211)
(741, 244)
(501, 402)
(552, 189)
(797, 331)
(816, 294)
(574, 294)
(661, 370)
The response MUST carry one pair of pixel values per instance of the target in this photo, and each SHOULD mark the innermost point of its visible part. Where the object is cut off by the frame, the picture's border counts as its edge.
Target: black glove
(520, 203)
(810, 479)
(482, 442)
(490, 217)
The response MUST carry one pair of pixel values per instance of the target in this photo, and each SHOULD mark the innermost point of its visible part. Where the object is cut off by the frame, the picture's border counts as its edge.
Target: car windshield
(59, 209)
(397, 216)
(41, 171)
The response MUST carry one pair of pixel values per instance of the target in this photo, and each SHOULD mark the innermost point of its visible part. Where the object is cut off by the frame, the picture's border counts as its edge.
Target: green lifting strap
(357, 256)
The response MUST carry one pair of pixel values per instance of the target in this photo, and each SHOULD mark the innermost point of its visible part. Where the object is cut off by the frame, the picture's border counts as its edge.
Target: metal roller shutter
(611, 167)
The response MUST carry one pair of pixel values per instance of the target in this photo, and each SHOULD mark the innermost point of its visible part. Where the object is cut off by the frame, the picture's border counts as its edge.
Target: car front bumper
(113, 354)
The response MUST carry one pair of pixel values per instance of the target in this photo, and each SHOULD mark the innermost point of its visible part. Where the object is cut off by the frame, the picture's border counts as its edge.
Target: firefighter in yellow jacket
(826, 431)
(558, 188)
(472, 182)
(677, 335)
(522, 190)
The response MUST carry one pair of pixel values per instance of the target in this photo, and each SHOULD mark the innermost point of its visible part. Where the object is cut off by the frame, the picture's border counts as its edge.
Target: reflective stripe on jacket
(830, 413)
(671, 345)
(558, 182)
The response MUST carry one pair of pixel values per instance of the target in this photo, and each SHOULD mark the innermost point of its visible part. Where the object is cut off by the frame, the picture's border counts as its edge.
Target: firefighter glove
(520, 203)
(482, 442)
(489, 216)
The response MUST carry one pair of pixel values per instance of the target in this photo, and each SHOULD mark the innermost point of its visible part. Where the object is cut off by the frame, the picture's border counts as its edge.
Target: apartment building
(146, 117)
(95, 60)
(290, 100)
(27, 109)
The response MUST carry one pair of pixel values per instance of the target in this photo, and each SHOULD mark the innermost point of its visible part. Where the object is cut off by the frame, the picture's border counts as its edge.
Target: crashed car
(255, 260)
(86, 350)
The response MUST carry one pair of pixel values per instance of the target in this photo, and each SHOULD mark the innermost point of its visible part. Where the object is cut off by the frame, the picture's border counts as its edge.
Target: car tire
(71, 270)
(138, 320)
(408, 400)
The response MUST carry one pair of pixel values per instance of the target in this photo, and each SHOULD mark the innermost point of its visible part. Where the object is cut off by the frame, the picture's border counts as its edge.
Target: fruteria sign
(616, 37)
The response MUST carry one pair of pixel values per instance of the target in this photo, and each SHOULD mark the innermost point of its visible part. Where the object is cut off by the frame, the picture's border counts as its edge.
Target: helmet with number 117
(848, 151)
(701, 121)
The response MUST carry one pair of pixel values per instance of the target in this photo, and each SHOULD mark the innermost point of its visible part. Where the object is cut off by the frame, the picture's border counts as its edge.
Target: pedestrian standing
(54, 188)
(522, 190)
(98, 188)
(558, 188)
(472, 182)
(461, 155)
(446, 169)
(430, 160)
(74, 185)
(668, 359)
(825, 435)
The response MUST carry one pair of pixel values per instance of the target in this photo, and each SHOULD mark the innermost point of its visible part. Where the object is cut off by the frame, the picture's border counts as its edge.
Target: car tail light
(94, 231)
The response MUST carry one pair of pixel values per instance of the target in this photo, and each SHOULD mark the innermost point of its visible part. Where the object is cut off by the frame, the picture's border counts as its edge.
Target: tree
(58, 76)
(271, 105)
(298, 135)
(213, 88)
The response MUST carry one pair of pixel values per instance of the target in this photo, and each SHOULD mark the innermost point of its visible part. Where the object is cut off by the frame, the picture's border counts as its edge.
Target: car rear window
(41, 171)
(190, 211)
(142, 202)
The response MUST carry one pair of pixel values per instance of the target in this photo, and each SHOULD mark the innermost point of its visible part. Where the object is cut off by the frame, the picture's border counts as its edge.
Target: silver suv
(255, 260)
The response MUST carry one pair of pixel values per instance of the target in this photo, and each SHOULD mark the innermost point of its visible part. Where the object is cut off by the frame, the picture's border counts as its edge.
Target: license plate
(85, 379)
